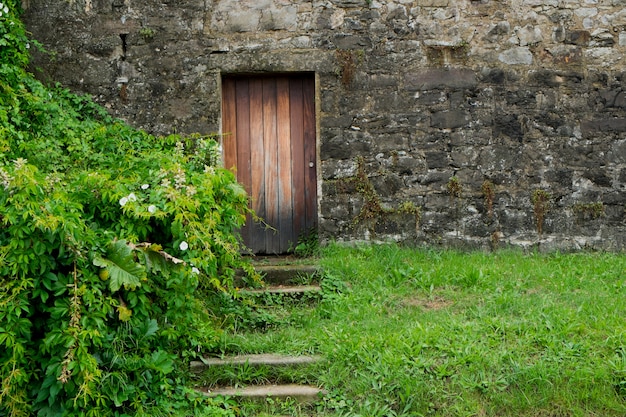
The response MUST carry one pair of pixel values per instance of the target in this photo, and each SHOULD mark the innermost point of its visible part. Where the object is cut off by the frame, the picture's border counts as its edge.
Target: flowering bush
(110, 241)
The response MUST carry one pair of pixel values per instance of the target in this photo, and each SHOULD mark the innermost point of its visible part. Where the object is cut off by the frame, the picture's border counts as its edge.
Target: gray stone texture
(525, 94)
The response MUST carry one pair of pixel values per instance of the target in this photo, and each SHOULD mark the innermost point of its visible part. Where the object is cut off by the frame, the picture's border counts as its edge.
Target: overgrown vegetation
(308, 244)
(110, 239)
(419, 332)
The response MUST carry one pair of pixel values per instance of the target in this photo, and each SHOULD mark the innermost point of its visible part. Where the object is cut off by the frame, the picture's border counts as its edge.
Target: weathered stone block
(432, 3)
(452, 119)
(436, 160)
(590, 127)
(509, 125)
(347, 41)
(454, 78)
(284, 18)
(239, 21)
(387, 185)
(578, 37)
(516, 56)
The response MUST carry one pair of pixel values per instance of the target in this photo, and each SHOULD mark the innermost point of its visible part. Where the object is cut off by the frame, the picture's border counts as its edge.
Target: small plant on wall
(348, 62)
(489, 193)
(147, 33)
(409, 207)
(541, 206)
(372, 206)
(455, 189)
(589, 210)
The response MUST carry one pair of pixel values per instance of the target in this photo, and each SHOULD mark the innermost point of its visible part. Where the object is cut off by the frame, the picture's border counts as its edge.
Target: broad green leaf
(151, 328)
(123, 270)
(162, 362)
(154, 260)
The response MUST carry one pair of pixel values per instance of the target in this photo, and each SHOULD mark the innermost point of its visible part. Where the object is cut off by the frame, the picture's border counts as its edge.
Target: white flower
(183, 245)
(28, 46)
(195, 270)
(123, 201)
(6, 9)
(152, 209)
(145, 186)
(132, 197)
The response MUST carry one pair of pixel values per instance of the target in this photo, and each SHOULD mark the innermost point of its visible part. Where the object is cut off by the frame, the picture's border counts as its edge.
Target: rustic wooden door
(269, 139)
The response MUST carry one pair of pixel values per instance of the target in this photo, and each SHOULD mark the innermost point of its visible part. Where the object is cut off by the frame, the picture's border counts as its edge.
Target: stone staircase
(284, 281)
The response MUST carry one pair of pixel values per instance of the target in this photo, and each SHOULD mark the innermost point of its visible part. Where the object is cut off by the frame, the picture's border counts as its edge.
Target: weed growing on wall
(489, 193)
(372, 210)
(110, 239)
(455, 189)
(589, 210)
(348, 62)
(541, 206)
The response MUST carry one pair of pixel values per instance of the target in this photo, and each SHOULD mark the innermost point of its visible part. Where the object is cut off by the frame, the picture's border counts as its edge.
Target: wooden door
(269, 139)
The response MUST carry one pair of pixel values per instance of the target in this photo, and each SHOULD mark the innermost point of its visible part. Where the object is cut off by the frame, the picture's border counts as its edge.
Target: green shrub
(110, 240)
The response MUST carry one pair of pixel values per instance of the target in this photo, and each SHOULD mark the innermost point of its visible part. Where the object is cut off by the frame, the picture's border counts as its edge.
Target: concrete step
(304, 394)
(264, 359)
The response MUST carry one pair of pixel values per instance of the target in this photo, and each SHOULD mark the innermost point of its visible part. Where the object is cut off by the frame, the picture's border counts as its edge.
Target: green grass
(408, 332)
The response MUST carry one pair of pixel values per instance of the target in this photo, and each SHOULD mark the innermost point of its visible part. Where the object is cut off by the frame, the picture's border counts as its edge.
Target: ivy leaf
(121, 265)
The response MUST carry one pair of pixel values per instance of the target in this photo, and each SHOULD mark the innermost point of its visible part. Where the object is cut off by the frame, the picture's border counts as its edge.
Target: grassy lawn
(408, 332)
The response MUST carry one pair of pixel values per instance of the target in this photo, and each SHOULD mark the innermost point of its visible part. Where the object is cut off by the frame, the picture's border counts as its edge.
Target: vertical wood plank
(257, 168)
(229, 124)
(297, 149)
(285, 200)
(310, 176)
(270, 135)
(242, 129)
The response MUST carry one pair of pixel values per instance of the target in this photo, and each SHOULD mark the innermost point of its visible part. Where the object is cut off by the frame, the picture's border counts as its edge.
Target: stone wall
(453, 113)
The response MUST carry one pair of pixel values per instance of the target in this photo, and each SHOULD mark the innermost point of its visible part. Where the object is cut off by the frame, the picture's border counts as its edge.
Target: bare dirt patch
(433, 303)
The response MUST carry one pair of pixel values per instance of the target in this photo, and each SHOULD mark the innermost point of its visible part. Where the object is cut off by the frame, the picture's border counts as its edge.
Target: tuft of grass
(420, 332)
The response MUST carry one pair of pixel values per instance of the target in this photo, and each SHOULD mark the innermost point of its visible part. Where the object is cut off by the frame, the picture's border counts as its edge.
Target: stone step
(285, 289)
(287, 274)
(263, 359)
(283, 270)
(304, 394)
